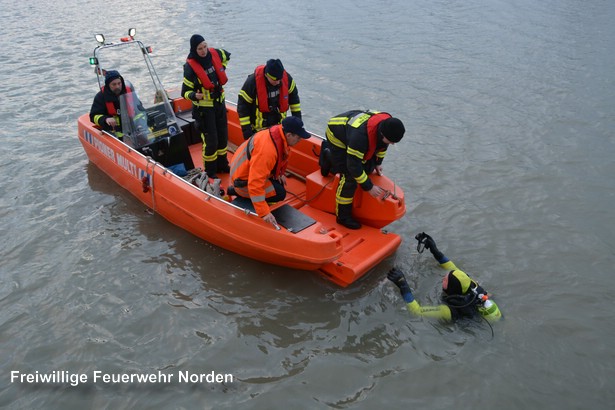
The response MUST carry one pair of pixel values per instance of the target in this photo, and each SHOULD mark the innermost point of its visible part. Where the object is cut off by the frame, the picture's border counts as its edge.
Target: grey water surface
(508, 162)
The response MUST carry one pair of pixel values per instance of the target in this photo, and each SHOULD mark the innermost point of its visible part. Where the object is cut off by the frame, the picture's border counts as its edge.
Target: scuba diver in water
(463, 297)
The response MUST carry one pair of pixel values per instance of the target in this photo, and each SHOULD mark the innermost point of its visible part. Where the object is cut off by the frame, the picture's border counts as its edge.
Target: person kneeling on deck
(258, 166)
(355, 147)
(105, 111)
(463, 297)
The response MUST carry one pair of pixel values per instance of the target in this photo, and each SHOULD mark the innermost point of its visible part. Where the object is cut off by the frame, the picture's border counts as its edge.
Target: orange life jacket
(261, 91)
(202, 75)
(278, 140)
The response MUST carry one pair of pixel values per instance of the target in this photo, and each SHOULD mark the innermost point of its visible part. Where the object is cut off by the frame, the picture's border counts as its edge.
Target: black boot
(211, 169)
(344, 217)
(223, 166)
(325, 161)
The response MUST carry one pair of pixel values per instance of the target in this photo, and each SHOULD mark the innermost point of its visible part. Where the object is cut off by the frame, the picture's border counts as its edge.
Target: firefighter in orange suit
(258, 166)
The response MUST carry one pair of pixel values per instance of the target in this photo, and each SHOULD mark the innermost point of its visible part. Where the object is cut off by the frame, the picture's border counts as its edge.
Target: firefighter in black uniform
(204, 76)
(105, 111)
(355, 147)
(265, 98)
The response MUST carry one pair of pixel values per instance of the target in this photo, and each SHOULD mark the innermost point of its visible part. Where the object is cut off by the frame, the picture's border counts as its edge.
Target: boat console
(154, 131)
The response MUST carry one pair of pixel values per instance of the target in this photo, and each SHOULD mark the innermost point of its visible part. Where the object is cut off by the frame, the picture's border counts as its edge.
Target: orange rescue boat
(309, 237)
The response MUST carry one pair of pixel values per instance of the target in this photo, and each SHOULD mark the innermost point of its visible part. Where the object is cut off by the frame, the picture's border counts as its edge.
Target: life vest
(111, 110)
(278, 140)
(202, 75)
(373, 118)
(261, 91)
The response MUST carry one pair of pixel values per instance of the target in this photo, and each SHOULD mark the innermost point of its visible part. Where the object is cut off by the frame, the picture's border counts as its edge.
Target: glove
(397, 277)
(216, 93)
(430, 244)
(426, 240)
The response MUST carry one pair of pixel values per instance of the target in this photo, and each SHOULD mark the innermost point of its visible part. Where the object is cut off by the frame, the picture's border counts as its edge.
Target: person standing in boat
(259, 164)
(355, 147)
(204, 78)
(105, 110)
(463, 297)
(265, 98)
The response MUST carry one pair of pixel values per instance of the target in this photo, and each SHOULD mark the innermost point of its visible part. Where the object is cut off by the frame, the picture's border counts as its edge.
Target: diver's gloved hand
(430, 244)
(397, 277)
(426, 240)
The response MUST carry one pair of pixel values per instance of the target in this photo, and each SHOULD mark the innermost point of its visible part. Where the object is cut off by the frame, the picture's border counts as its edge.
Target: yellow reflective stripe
(381, 154)
(207, 95)
(188, 83)
(339, 199)
(295, 107)
(258, 121)
(203, 103)
(333, 140)
(361, 178)
(246, 97)
(238, 160)
(224, 58)
(338, 121)
(292, 86)
(221, 152)
(343, 201)
(207, 100)
(97, 119)
(244, 121)
(209, 158)
(355, 153)
(358, 120)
